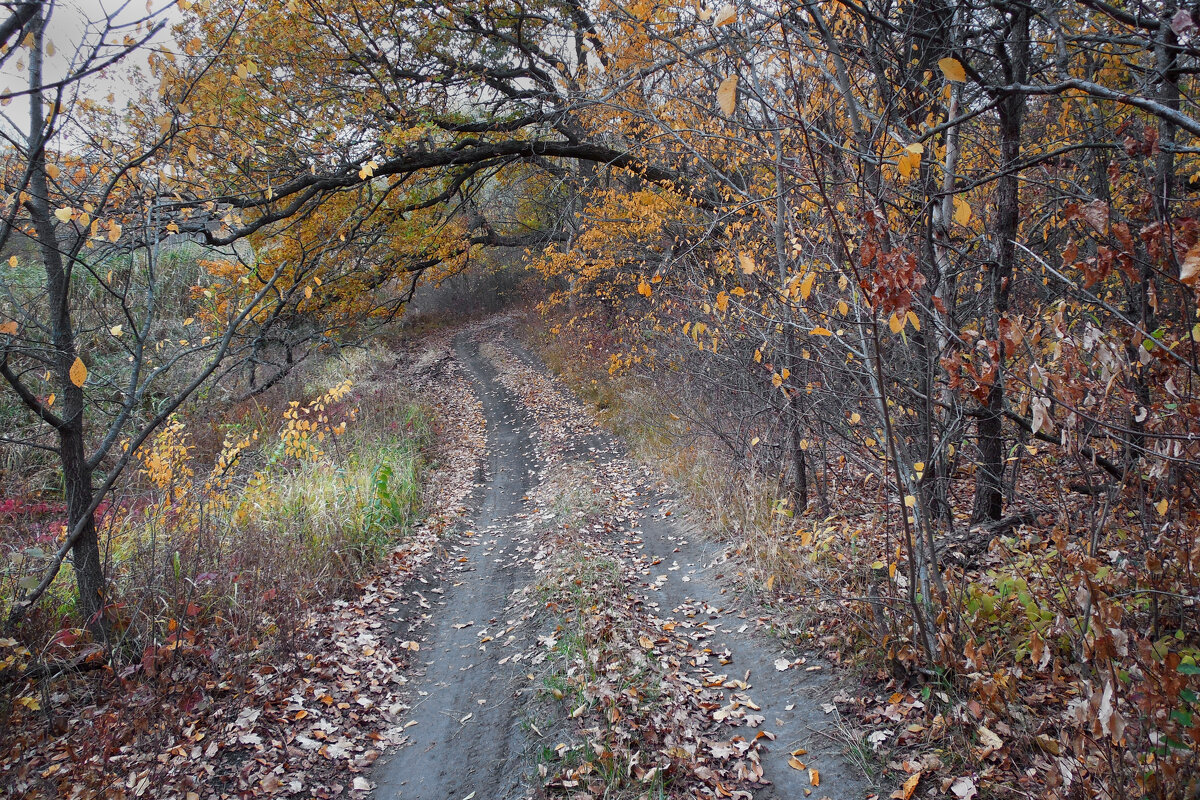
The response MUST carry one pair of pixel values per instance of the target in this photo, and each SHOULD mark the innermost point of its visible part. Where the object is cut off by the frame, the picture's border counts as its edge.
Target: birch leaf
(952, 68)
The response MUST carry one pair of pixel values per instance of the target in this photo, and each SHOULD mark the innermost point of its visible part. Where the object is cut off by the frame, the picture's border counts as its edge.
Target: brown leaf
(1189, 270)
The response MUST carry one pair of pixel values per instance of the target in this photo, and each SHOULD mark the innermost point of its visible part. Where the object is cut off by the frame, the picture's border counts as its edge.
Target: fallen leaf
(910, 786)
(989, 739)
(964, 788)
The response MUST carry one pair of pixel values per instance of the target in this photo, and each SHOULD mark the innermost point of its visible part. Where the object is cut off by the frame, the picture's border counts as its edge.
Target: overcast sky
(73, 22)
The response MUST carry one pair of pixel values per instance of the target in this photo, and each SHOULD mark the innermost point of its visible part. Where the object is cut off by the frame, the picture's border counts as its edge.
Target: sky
(73, 22)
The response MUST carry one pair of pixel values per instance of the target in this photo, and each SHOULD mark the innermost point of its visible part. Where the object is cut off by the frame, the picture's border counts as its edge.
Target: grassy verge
(218, 555)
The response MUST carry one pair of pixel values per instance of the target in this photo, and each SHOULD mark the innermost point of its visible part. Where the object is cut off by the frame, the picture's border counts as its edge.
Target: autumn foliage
(933, 267)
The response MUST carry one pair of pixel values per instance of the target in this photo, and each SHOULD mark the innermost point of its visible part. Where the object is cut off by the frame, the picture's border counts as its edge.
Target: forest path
(464, 724)
(470, 715)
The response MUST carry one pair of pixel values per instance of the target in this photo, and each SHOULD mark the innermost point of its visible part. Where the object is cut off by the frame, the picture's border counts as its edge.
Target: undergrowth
(1060, 676)
(216, 558)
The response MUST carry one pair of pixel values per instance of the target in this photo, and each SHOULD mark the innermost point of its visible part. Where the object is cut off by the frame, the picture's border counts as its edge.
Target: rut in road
(464, 725)
(470, 706)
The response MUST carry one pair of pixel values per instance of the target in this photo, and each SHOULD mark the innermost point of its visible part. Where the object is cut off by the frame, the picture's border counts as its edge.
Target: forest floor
(578, 637)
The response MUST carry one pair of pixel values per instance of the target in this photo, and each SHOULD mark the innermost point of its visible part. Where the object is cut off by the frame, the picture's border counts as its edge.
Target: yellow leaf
(78, 373)
(307, 292)
(722, 301)
(916, 148)
(9, 328)
(896, 323)
(771, 583)
(912, 318)
(962, 211)
(189, 320)
(116, 330)
(754, 441)
(31, 703)
(904, 165)
(843, 307)
(807, 286)
(910, 501)
(820, 331)
(50, 400)
(878, 565)
(906, 791)
(727, 95)
(814, 777)
(12, 261)
(776, 380)
(52, 171)
(796, 763)
(726, 16)
(114, 231)
(1161, 507)
(892, 570)
(1189, 270)
(63, 214)
(758, 356)
(747, 264)
(952, 68)
(644, 289)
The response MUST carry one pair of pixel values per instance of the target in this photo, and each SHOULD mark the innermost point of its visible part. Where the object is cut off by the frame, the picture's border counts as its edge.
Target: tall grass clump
(223, 555)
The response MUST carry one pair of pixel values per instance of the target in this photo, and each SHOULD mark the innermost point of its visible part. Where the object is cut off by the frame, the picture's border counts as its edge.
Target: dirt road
(468, 725)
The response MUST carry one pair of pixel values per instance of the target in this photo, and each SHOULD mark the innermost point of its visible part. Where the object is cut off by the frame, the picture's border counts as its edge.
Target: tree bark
(76, 474)
(989, 480)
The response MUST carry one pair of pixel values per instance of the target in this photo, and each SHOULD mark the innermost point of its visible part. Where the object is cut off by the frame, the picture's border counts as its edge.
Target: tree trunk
(989, 479)
(85, 553)
(77, 475)
(800, 489)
